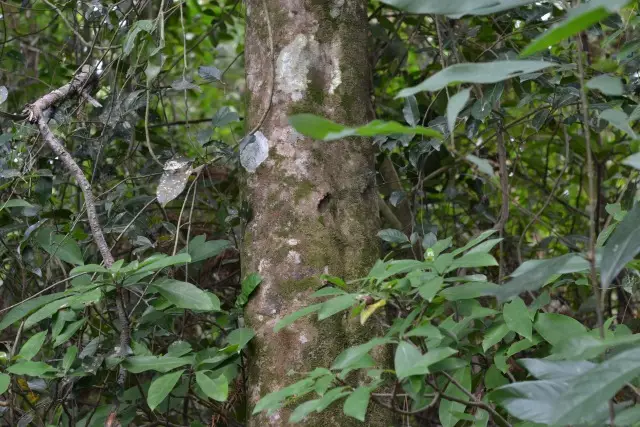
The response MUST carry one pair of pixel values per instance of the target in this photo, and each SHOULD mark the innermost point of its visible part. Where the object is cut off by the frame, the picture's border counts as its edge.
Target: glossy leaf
(161, 387)
(621, 247)
(516, 316)
(356, 404)
(32, 346)
(216, 389)
(185, 295)
(137, 364)
(479, 72)
(578, 19)
(319, 128)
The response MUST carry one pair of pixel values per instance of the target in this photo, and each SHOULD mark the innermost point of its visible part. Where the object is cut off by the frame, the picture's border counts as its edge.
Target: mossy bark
(313, 203)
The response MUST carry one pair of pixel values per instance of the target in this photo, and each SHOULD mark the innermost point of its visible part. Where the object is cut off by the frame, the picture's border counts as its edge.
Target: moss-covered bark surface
(314, 203)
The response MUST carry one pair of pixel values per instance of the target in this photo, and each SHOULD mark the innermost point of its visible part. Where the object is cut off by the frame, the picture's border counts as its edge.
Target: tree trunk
(313, 203)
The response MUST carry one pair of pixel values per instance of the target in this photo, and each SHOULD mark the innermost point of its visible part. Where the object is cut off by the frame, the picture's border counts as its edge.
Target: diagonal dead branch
(35, 114)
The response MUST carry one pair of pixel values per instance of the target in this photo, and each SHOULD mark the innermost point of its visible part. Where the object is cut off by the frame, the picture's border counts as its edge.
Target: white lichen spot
(274, 418)
(293, 65)
(303, 339)
(293, 242)
(334, 10)
(260, 317)
(293, 257)
(263, 265)
(336, 75)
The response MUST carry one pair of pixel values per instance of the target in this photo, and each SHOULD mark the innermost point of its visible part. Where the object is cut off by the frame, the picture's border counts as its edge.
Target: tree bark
(313, 203)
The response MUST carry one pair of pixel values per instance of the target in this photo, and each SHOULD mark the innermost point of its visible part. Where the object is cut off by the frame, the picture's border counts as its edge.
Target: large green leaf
(50, 309)
(621, 247)
(455, 105)
(516, 316)
(556, 328)
(550, 370)
(200, 249)
(161, 387)
(479, 72)
(289, 319)
(575, 401)
(185, 295)
(336, 305)
(25, 308)
(457, 8)
(469, 291)
(353, 354)
(240, 337)
(578, 19)
(448, 410)
(407, 355)
(61, 246)
(158, 263)
(536, 276)
(68, 332)
(216, 389)
(32, 346)
(28, 367)
(633, 161)
(5, 380)
(320, 128)
(137, 364)
(356, 404)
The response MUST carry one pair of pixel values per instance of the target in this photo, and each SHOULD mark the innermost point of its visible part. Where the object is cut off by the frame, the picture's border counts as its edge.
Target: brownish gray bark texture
(314, 203)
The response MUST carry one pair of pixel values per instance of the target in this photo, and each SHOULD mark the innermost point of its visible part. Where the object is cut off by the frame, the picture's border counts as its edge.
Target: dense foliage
(508, 180)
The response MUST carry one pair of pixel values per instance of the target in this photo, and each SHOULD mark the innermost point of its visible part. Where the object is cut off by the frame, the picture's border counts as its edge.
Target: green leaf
(356, 404)
(550, 370)
(68, 332)
(621, 247)
(407, 355)
(494, 335)
(483, 164)
(494, 379)
(159, 264)
(354, 354)
(185, 295)
(589, 347)
(555, 328)
(447, 410)
(410, 111)
(423, 364)
(89, 268)
(28, 367)
(628, 417)
(32, 346)
(633, 161)
(619, 120)
(178, 348)
(478, 72)
(475, 241)
(137, 364)
(223, 117)
(469, 291)
(240, 337)
(303, 410)
(606, 84)
(576, 401)
(393, 236)
(216, 389)
(336, 305)
(5, 380)
(289, 319)
(50, 309)
(15, 203)
(455, 105)
(249, 284)
(25, 308)
(323, 129)
(138, 26)
(63, 247)
(69, 358)
(577, 20)
(161, 387)
(456, 8)
(516, 316)
(473, 260)
(522, 345)
(537, 274)
(429, 289)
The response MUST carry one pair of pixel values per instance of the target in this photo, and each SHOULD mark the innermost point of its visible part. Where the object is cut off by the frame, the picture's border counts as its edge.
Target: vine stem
(591, 254)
